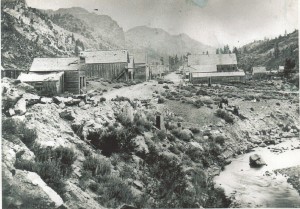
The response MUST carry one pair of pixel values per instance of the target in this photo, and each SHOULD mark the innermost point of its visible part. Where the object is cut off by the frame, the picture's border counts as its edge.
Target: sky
(212, 22)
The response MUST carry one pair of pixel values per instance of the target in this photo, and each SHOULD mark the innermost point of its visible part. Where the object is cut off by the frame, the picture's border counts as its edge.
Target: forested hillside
(270, 53)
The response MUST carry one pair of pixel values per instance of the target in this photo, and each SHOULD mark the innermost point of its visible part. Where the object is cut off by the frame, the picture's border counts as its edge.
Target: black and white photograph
(132, 104)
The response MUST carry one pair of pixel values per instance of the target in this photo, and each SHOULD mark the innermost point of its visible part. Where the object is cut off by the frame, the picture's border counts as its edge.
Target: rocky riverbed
(293, 176)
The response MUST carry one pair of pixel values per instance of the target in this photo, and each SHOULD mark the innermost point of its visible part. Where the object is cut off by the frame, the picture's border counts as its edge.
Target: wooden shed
(73, 78)
(10, 72)
(49, 84)
(112, 65)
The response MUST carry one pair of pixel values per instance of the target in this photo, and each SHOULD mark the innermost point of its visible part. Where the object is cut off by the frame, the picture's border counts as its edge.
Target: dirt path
(174, 77)
(139, 91)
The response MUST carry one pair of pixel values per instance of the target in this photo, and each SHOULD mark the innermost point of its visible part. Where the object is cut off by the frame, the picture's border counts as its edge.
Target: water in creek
(251, 187)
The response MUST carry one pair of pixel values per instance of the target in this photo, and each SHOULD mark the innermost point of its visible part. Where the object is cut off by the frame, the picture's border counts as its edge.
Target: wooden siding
(218, 79)
(72, 81)
(226, 68)
(11, 73)
(140, 73)
(107, 71)
(47, 88)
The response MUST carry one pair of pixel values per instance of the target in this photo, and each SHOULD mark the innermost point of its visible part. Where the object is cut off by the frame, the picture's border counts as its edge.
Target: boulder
(11, 112)
(20, 107)
(256, 161)
(62, 105)
(72, 102)
(67, 114)
(46, 100)
(262, 144)
(31, 99)
(24, 189)
(81, 104)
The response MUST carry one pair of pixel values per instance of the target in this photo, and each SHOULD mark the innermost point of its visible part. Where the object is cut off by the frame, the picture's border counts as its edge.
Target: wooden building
(112, 65)
(217, 77)
(214, 68)
(158, 71)
(49, 84)
(74, 79)
(259, 73)
(10, 72)
(141, 68)
(213, 62)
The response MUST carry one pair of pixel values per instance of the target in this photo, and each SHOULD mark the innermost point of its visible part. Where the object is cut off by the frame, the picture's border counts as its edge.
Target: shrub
(11, 127)
(94, 186)
(102, 99)
(97, 166)
(161, 100)
(198, 103)
(166, 87)
(220, 140)
(195, 130)
(224, 115)
(161, 134)
(116, 192)
(174, 150)
(201, 92)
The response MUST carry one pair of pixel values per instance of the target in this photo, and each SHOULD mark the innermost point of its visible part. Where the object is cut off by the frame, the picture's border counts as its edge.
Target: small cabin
(73, 78)
(49, 84)
(259, 73)
(111, 65)
(141, 69)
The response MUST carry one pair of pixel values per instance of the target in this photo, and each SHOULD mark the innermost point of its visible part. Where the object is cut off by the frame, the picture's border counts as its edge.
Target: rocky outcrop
(256, 161)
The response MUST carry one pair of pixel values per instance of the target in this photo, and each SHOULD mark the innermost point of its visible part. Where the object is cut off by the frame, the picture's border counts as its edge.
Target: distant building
(259, 73)
(216, 68)
(280, 69)
(49, 84)
(112, 65)
(157, 71)
(213, 62)
(72, 80)
(141, 69)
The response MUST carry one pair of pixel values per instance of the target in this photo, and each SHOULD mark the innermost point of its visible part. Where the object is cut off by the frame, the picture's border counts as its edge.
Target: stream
(261, 187)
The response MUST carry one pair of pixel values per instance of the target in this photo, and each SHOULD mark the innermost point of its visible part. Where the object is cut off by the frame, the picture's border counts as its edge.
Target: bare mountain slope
(101, 26)
(160, 43)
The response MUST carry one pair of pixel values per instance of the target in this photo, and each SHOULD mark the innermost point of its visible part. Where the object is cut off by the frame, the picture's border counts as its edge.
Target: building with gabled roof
(213, 68)
(222, 62)
(112, 65)
(73, 76)
(259, 72)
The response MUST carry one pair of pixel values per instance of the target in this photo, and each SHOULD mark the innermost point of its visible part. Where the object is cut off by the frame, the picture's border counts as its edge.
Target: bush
(161, 134)
(224, 115)
(97, 166)
(201, 92)
(11, 127)
(102, 99)
(161, 100)
(195, 130)
(220, 140)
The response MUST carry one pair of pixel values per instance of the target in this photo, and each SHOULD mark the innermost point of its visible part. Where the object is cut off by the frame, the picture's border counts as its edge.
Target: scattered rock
(62, 105)
(67, 114)
(46, 100)
(11, 112)
(20, 107)
(81, 104)
(256, 161)
(262, 145)
(31, 99)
